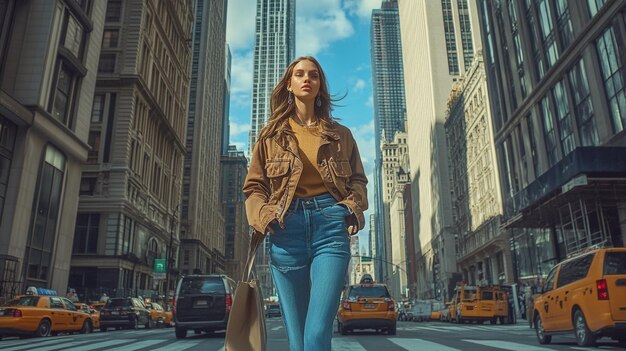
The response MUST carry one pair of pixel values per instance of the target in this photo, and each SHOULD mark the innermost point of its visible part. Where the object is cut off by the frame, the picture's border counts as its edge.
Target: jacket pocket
(276, 170)
(341, 168)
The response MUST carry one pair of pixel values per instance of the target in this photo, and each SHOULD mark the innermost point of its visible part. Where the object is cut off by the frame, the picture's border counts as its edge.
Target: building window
(613, 75)
(594, 6)
(563, 117)
(548, 131)
(88, 185)
(114, 11)
(97, 110)
(583, 105)
(564, 22)
(547, 29)
(448, 22)
(6, 30)
(74, 35)
(107, 63)
(110, 38)
(86, 233)
(186, 256)
(94, 142)
(533, 144)
(64, 93)
(8, 131)
(46, 206)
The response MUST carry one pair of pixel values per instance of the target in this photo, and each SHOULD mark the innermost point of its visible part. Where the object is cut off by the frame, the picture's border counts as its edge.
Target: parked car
(367, 306)
(126, 312)
(202, 303)
(42, 316)
(272, 310)
(585, 295)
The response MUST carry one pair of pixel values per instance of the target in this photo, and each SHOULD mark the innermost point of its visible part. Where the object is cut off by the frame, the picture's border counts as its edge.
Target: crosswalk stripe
(425, 328)
(346, 344)
(22, 346)
(179, 345)
(507, 345)
(420, 344)
(90, 347)
(277, 328)
(138, 345)
(63, 346)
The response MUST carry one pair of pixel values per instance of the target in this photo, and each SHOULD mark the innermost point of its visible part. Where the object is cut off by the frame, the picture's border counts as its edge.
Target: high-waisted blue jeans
(309, 261)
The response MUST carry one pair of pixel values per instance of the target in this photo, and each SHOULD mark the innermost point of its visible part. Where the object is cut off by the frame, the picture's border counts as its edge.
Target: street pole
(168, 255)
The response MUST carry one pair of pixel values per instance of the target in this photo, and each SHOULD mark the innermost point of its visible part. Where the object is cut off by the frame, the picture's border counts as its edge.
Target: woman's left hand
(351, 224)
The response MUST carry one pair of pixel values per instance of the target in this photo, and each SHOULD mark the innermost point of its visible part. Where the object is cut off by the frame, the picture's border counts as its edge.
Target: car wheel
(103, 329)
(584, 336)
(181, 333)
(87, 328)
(391, 330)
(135, 323)
(150, 324)
(342, 329)
(541, 334)
(44, 328)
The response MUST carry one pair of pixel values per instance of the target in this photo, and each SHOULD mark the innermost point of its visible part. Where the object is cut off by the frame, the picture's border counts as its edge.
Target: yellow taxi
(585, 295)
(168, 316)
(486, 303)
(367, 306)
(157, 314)
(95, 315)
(42, 316)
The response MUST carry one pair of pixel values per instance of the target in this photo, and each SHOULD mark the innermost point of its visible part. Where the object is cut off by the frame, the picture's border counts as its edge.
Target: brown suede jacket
(276, 167)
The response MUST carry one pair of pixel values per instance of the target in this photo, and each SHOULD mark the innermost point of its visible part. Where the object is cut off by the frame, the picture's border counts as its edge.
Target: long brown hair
(281, 110)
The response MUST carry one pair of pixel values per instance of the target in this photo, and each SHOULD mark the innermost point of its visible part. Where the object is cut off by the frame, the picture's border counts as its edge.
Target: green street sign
(366, 259)
(159, 265)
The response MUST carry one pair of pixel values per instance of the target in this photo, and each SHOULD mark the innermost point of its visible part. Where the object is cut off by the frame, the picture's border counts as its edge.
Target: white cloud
(361, 8)
(370, 102)
(240, 24)
(242, 72)
(359, 85)
(238, 128)
(320, 23)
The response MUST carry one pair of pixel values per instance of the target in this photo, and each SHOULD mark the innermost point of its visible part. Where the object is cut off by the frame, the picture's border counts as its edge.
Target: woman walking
(306, 187)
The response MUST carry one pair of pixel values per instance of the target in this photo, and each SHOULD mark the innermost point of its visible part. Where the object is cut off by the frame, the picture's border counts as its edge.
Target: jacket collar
(280, 134)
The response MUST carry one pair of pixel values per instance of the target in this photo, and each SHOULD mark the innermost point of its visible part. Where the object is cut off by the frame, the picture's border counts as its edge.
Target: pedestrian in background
(306, 186)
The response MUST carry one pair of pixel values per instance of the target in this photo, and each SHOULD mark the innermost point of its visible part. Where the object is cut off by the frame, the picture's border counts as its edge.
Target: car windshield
(368, 291)
(615, 263)
(202, 285)
(118, 303)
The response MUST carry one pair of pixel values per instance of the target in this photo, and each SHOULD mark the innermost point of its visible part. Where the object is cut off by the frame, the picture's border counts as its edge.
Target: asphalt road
(429, 336)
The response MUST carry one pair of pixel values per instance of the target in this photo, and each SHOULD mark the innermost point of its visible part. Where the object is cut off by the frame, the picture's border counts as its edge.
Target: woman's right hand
(270, 228)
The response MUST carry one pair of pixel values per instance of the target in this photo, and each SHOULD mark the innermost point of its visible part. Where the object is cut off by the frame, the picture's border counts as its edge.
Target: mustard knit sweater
(309, 141)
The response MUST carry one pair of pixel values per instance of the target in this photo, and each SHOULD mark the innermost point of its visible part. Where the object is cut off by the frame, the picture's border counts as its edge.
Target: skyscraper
(559, 107)
(274, 49)
(48, 65)
(389, 108)
(438, 42)
(202, 221)
(131, 182)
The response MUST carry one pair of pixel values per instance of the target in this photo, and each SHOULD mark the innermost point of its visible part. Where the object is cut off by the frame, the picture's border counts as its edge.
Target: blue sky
(337, 33)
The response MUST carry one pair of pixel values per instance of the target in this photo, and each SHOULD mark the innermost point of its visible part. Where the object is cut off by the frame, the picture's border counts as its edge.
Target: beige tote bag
(246, 324)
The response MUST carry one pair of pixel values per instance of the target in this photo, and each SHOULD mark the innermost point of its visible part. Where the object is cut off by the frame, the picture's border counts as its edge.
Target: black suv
(127, 312)
(203, 303)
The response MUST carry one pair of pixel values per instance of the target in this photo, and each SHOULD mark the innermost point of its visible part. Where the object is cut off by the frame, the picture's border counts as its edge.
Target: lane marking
(346, 344)
(507, 345)
(421, 344)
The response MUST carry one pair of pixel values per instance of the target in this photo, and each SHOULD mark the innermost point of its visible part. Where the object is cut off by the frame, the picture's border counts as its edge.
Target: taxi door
(76, 317)
(549, 303)
(61, 317)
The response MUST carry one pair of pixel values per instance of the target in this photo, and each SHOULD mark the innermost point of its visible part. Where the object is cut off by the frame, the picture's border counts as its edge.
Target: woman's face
(305, 80)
